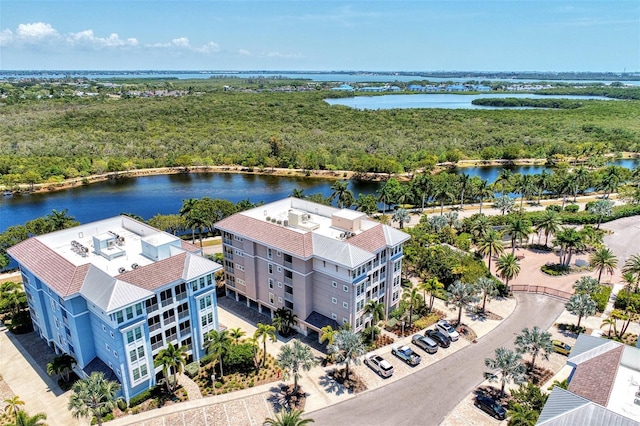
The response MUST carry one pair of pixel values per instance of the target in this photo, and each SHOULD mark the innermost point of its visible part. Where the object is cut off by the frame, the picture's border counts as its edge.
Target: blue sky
(480, 35)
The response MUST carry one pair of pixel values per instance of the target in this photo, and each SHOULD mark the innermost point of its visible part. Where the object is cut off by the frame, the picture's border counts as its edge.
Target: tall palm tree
(519, 228)
(283, 320)
(506, 367)
(23, 419)
(581, 181)
(549, 223)
(93, 396)
(342, 193)
(442, 190)
(13, 405)
(294, 358)
(376, 309)
(236, 334)
(460, 295)
(172, 358)
(62, 364)
(581, 305)
(422, 185)
(603, 259)
(543, 182)
(483, 191)
(488, 287)
(219, 344)
(569, 240)
(520, 415)
(479, 227)
(431, 286)
(610, 180)
(464, 183)
(508, 267)
(413, 299)
(60, 220)
(187, 206)
(288, 418)
(534, 342)
(490, 245)
(264, 332)
(632, 266)
(347, 347)
(504, 179)
(401, 216)
(601, 208)
(525, 186)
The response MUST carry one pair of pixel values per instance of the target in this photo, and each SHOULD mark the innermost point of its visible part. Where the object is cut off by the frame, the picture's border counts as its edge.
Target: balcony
(172, 337)
(181, 296)
(169, 320)
(152, 308)
(183, 314)
(228, 256)
(167, 302)
(157, 345)
(185, 332)
(287, 264)
(227, 241)
(288, 297)
(288, 280)
(154, 327)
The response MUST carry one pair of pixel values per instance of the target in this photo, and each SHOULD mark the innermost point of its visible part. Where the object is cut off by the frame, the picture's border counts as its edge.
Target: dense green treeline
(53, 139)
(524, 102)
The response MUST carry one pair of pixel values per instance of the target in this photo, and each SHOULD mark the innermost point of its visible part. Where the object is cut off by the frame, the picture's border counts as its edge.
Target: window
(235, 237)
(279, 284)
(345, 305)
(133, 355)
(334, 284)
(112, 335)
(344, 320)
(106, 345)
(138, 308)
(279, 269)
(119, 317)
(278, 253)
(271, 268)
(279, 299)
(270, 283)
(345, 288)
(136, 374)
(239, 253)
(271, 298)
(201, 281)
(209, 280)
(239, 267)
(334, 300)
(141, 352)
(115, 353)
(129, 311)
(56, 321)
(205, 302)
(104, 328)
(241, 281)
(334, 316)
(269, 254)
(143, 370)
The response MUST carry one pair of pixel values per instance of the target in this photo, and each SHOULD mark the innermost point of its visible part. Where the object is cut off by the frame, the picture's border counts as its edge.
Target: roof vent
(121, 270)
(134, 266)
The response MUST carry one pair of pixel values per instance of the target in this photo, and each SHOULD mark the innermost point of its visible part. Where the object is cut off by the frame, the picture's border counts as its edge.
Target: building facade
(322, 263)
(113, 293)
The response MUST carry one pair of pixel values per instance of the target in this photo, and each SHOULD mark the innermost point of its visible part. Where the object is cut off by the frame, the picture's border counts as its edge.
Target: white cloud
(242, 52)
(6, 37)
(210, 47)
(88, 39)
(181, 42)
(36, 32)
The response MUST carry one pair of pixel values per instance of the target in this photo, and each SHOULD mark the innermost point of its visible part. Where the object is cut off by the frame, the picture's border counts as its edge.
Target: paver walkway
(193, 390)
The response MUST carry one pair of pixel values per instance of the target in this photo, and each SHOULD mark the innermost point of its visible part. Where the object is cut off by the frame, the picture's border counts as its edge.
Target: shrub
(554, 207)
(554, 269)
(140, 398)
(572, 208)
(192, 369)
(625, 299)
(206, 359)
(240, 357)
(367, 332)
(122, 405)
(601, 297)
(426, 321)
(391, 324)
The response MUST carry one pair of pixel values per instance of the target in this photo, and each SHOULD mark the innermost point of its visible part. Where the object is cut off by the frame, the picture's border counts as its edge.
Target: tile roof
(61, 275)
(158, 274)
(378, 237)
(593, 379)
(284, 239)
(192, 248)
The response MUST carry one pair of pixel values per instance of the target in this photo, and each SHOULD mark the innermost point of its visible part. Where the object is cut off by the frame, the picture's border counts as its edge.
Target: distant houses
(429, 88)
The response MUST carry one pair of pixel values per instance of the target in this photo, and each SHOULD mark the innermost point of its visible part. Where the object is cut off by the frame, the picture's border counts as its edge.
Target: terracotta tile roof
(593, 379)
(287, 240)
(192, 248)
(57, 272)
(370, 240)
(156, 275)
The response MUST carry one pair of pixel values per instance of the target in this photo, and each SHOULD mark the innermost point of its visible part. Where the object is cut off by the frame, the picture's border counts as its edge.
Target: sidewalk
(26, 380)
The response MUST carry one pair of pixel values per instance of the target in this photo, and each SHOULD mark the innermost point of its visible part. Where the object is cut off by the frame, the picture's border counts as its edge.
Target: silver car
(426, 343)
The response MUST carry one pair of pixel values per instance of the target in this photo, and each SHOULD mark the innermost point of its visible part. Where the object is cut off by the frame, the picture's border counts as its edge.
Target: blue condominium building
(113, 293)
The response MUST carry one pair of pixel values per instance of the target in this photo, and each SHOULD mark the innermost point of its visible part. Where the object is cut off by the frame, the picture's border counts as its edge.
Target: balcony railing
(185, 332)
(228, 256)
(227, 241)
(288, 297)
(152, 308)
(171, 337)
(287, 264)
(156, 345)
(288, 280)
(154, 327)
(170, 320)
(181, 296)
(167, 302)
(183, 314)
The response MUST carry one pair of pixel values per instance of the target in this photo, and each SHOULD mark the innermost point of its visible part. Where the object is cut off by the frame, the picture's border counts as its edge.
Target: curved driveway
(427, 396)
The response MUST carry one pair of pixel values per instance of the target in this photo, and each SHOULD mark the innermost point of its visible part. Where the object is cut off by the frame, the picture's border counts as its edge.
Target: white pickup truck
(379, 365)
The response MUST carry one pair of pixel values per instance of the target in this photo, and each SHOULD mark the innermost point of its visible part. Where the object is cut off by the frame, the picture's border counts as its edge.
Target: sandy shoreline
(273, 171)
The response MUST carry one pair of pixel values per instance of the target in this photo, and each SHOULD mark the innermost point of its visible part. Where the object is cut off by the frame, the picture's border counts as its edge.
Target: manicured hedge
(602, 297)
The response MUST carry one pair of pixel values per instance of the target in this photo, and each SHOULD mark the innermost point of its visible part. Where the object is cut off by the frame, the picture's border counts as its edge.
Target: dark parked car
(426, 343)
(439, 337)
(491, 407)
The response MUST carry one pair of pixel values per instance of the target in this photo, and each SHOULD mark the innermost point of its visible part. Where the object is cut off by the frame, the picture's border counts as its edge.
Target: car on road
(439, 337)
(379, 365)
(561, 347)
(426, 343)
(447, 329)
(491, 407)
(406, 354)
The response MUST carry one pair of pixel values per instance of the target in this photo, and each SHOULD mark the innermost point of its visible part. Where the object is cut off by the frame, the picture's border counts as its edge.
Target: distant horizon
(315, 71)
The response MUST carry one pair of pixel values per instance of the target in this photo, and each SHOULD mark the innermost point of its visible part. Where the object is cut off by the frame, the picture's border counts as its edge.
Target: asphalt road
(427, 396)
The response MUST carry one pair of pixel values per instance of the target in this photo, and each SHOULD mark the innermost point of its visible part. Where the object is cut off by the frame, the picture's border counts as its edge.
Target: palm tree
(601, 208)
(506, 367)
(581, 305)
(376, 309)
(431, 286)
(342, 193)
(632, 266)
(347, 347)
(525, 185)
(488, 287)
(534, 342)
(236, 334)
(504, 179)
(569, 240)
(187, 206)
(294, 358)
(611, 322)
(549, 223)
(264, 332)
(460, 295)
(610, 181)
(479, 227)
(93, 396)
(297, 193)
(464, 183)
(283, 320)
(520, 415)
(13, 405)
(413, 299)
(23, 419)
(60, 220)
(483, 191)
(62, 365)
(366, 203)
(442, 190)
(422, 185)
(507, 267)
(172, 358)
(519, 229)
(401, 216)
(580, 181)
(219, 344)
(504, 204)
(543, 182)
(603, 259)
(586, 285)
(288, 418)
(490, 245)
